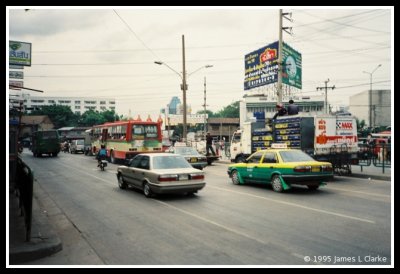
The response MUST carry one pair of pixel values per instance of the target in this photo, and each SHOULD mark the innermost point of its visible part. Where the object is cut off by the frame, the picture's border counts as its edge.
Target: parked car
(159, 173)
(281, 168)
(191, 155)
(77, 146)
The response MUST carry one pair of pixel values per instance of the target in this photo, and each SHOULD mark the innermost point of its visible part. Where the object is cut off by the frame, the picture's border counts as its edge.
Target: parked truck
(324, 137)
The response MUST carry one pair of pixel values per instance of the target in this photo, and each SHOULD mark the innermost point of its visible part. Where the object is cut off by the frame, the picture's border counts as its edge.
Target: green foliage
(61, 116)
(91, 117)
(230, 111)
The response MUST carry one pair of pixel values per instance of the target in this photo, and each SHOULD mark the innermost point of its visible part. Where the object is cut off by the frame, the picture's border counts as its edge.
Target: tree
(61, 116)
(92, 117)
(230, 111)
(110, 116)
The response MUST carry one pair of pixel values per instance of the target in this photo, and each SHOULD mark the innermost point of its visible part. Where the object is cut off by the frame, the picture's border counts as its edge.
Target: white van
(77, 146)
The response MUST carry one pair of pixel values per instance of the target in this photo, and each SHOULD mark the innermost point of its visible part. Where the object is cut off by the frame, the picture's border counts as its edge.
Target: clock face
(291, 68)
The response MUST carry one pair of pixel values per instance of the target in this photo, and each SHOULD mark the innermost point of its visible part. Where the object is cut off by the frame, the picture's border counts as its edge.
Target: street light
(370, 93)
(184, 88)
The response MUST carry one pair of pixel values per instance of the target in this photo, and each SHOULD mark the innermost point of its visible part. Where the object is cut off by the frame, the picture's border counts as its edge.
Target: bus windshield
(144, 131)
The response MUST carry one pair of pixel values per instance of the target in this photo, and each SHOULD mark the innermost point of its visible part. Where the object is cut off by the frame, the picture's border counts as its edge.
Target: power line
(134, 33)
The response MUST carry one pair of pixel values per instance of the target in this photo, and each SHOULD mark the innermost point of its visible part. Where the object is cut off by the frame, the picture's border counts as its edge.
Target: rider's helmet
(103, 146)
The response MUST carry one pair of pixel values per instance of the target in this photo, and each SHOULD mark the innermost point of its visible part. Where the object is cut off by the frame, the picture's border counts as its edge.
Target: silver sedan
(159, 173)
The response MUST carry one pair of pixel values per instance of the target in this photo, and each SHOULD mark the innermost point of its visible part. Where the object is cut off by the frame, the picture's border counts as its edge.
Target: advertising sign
(330, 131)
(291, 73)
(16, 84)
(16, 74)
(175, 119)
(16, 67)
(261, 66)
(20, 53)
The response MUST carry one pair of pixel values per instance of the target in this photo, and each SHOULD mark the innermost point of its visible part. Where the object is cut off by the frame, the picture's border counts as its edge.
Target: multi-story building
(78, 105)
(252, 104)
(380, 108)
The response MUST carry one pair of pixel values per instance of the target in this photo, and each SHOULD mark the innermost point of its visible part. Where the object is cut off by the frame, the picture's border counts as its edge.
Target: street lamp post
(184, 86)
(370, 94)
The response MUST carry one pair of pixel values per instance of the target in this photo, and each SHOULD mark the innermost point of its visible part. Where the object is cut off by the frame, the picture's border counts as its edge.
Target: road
(346, 222)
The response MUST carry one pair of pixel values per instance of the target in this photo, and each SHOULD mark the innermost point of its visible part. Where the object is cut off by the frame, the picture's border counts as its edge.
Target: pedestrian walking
(209, 142)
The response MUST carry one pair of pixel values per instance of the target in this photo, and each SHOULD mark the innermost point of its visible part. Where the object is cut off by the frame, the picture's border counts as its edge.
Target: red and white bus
(125, 139)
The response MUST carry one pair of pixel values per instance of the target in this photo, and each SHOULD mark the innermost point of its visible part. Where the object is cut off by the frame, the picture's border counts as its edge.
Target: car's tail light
(302, 169)
(196, 176)
(168, 178)
(326, 168)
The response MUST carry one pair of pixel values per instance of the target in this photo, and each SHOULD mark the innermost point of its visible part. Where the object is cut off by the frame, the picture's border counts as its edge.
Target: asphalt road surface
(346, 222)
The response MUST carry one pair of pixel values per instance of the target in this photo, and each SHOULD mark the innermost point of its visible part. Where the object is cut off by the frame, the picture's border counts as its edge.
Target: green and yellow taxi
(282, 168)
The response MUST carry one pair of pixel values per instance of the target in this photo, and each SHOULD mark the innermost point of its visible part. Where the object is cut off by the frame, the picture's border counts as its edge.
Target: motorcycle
(102, 164)
(65, 148)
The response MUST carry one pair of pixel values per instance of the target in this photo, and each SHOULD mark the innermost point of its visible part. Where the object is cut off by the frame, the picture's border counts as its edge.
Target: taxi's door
(250, 171)
(268, 165)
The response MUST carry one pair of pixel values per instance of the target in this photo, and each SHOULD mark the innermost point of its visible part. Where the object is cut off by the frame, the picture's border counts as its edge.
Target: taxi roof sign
(278, 145)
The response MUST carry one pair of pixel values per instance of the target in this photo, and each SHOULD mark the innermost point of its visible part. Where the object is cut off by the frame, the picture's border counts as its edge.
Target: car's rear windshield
(80, 142)
(49, 134)
(170, 162)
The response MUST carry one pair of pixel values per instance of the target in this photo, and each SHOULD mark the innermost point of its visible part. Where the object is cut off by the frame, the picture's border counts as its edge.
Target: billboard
(20, 53)
(17, 85)
(291, 72)
(261, 66)
(176, 119)
(16, 74)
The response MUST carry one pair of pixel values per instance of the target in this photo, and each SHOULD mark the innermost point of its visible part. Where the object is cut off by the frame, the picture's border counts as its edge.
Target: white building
(380, 107)
(78, 105)
(261, 103)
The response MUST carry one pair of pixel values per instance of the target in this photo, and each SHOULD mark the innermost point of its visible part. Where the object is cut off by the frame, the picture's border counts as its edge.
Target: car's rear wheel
(121, 183)
(235, 177)
(146, 190)
(313, 187)
(276, 183)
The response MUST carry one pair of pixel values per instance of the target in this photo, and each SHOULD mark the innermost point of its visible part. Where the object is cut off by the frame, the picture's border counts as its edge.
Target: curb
(44, 240)
(371, 176)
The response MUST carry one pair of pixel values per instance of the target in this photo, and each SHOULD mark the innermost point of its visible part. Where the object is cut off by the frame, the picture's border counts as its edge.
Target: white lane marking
(98, 178)
(296, 205)
(210, 221)
(226, 227)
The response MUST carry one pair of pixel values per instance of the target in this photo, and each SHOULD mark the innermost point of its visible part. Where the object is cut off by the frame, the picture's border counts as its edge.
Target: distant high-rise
(173, 105)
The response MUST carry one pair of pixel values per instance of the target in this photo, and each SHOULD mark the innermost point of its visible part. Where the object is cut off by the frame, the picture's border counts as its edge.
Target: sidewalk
(44, 241)
(372, 172)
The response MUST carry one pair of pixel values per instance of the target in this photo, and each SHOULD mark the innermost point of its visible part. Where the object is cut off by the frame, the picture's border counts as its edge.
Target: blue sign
(261, 67)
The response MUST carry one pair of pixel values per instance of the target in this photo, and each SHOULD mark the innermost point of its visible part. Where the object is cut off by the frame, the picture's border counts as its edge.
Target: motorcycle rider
(102, 154)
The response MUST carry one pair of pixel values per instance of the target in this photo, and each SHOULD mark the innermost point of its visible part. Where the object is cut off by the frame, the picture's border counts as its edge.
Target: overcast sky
(111, 53)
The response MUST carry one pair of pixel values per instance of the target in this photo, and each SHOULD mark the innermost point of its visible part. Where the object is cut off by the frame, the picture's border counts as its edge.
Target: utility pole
(326, 94)
(371, 122)
(184, 88)
(280, 50)
(205, 110)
